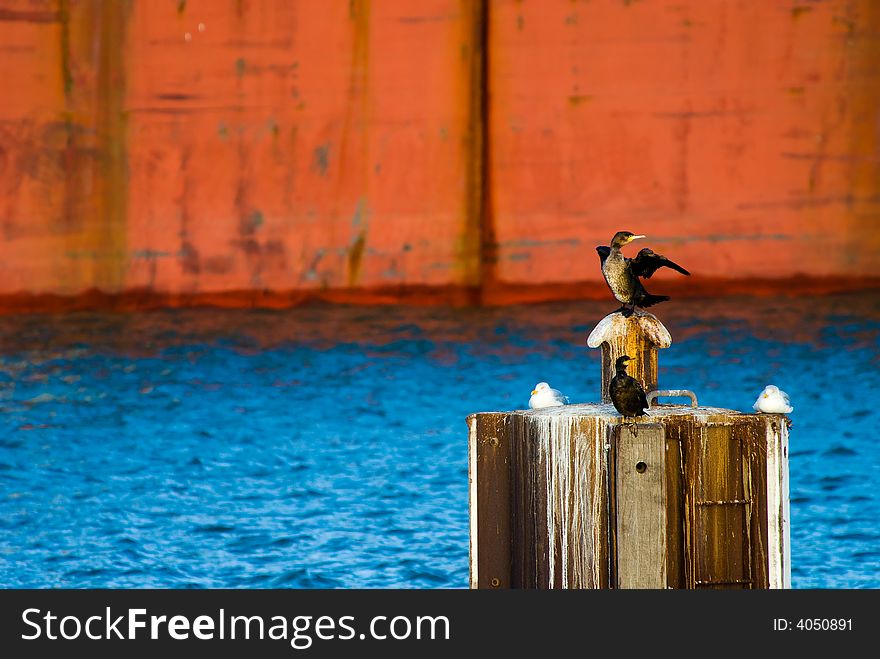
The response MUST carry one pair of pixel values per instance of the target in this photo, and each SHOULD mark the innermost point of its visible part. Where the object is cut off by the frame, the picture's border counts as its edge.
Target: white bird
(544, 396)
(773, 401)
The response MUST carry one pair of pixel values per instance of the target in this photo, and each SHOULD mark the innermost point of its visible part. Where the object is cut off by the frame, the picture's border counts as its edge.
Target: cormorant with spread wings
(622, 274)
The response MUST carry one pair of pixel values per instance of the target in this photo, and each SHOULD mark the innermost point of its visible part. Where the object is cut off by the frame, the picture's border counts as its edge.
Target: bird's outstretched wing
(604, 251)
(647, 262)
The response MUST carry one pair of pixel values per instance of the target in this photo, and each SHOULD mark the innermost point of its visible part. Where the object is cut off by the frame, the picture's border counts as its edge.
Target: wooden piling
(710, 509)
(687, 497)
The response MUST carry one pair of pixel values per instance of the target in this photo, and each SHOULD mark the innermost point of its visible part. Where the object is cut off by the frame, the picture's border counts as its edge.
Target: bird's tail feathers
(650, 300)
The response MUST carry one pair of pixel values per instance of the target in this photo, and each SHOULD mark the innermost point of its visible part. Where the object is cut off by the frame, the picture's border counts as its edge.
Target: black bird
(622, 274)
(626, 392)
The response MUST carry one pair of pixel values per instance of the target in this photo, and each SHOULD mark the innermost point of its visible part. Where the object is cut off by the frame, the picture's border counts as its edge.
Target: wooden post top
(606, 413)
(615, 326)
(639, 336)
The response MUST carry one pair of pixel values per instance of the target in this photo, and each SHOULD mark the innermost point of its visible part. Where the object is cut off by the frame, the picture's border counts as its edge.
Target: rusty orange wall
(743, 137)
(260, 151)
(215, 146)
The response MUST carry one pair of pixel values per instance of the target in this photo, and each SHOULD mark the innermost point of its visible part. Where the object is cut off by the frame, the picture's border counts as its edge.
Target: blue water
(326, 446)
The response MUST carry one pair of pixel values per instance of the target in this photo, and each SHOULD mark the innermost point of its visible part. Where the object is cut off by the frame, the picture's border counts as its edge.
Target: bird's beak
(534, 391)
(636, 238)
(765, 396)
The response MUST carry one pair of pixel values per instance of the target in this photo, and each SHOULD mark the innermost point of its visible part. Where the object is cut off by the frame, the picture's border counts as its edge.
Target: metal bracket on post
(672, 393)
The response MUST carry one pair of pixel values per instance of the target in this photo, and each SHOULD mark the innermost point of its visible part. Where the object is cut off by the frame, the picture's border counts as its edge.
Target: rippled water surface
(326, 446)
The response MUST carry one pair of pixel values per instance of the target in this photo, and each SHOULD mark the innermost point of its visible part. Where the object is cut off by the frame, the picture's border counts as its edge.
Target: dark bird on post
(622, 274)
(626, 392)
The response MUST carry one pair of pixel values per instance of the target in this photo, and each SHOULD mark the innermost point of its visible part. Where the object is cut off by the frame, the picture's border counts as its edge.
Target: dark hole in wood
(641, 467)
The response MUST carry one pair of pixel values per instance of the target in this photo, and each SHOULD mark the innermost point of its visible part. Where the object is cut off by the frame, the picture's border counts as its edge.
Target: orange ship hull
(262, 152)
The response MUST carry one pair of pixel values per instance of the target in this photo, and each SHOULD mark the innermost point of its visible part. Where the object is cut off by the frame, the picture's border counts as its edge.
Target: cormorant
(626, 393)
(622, 274)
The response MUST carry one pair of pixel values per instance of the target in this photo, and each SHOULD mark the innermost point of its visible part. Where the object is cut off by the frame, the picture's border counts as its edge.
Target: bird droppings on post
(577, 496)
(565, 452)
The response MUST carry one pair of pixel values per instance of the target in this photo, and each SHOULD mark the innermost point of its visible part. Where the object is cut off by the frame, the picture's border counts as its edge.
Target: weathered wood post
(689, 497)
(640, 336)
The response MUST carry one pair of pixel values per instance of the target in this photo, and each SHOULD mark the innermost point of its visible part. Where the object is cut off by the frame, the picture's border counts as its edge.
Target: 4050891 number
(824, 624)
(813, 624)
